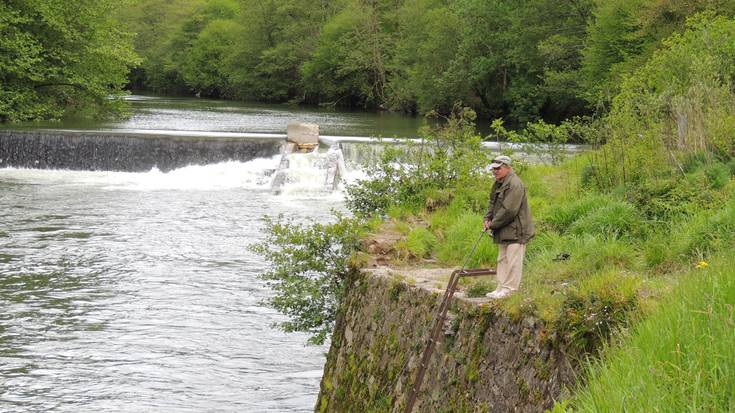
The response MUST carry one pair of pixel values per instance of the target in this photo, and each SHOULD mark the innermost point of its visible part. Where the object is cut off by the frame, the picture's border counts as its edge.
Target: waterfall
(313, 171)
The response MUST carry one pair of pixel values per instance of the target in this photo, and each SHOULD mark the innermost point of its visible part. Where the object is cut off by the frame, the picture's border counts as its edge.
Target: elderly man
(509, 220)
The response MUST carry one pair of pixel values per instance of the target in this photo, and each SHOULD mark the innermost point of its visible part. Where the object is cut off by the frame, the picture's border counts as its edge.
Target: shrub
(309, 271)
(664, 200)
(596, 308)
(676, 106)
(479, 288)
(409, 174)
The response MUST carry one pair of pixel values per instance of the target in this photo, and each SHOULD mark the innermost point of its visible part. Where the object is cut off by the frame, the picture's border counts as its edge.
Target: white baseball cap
(500, 161)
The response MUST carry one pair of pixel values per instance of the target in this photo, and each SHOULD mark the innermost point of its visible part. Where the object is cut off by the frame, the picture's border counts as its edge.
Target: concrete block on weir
(303, 134)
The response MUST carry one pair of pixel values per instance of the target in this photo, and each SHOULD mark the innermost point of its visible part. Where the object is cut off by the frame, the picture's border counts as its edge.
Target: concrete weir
(127, 151)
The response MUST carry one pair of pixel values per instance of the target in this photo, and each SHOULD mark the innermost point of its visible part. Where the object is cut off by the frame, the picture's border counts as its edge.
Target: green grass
(458, 240)
(608, 254)
(420, 242)
(681, 358)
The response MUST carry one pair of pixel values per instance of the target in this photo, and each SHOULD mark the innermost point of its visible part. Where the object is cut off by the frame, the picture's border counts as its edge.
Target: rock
(303, 133)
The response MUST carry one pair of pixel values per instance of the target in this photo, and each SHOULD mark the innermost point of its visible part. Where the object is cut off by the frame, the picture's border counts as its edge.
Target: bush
(420, 242)
(448, 157)
(309, 271)
(479, 288)
(596, 308)
(676, 106)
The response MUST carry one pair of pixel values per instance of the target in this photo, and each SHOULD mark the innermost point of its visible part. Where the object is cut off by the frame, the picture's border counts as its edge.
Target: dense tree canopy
(58, 56)
(521, 60)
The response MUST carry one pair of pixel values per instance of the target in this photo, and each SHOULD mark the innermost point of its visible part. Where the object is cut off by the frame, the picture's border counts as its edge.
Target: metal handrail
(439, 321)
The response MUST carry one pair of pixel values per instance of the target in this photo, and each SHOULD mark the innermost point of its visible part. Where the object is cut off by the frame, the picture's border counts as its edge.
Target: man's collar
(505, 178)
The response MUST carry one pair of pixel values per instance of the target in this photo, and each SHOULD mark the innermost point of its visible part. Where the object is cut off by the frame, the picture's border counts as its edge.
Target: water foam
(254, 174)
(306, 177)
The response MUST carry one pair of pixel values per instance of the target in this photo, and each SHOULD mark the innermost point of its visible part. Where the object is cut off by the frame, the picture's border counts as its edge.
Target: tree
(158, 40)
(624, 34)
(58, 57)
(274, 39)
(348, 66)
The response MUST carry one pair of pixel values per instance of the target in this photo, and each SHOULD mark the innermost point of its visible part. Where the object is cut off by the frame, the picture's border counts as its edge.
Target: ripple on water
(130, 301)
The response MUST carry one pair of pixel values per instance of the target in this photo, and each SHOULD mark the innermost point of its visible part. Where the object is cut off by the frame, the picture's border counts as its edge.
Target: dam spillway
(129, 151)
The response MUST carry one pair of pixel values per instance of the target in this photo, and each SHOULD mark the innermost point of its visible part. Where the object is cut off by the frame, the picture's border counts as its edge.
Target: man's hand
(486, 225)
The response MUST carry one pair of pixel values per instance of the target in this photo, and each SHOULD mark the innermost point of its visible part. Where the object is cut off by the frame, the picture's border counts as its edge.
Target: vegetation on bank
(59, 57)
(680, 357)
(619, 228)
(519, 60)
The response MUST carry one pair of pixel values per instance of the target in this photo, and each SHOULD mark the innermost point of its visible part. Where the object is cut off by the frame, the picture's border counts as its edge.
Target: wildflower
(702, 264)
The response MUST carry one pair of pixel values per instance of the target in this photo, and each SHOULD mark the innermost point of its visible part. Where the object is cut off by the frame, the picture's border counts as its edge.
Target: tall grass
(680, 359)
(459, 239)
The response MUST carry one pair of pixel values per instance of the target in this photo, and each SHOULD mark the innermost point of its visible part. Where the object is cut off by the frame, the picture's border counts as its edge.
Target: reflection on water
(127, 292)
(190, 114)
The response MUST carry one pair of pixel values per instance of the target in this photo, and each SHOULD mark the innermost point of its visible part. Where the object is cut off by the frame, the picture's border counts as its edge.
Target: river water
(133, 292)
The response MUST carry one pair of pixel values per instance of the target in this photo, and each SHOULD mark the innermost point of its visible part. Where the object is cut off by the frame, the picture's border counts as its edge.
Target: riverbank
(599, 264)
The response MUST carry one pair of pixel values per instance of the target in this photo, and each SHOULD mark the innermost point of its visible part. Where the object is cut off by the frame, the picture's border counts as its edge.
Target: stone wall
(117, 151)
(487, 361)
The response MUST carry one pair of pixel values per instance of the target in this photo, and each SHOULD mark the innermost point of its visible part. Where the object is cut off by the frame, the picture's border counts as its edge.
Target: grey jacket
(508, 212)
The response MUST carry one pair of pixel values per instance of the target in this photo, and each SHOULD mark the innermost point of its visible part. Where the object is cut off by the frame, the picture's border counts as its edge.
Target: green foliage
(666, 199)
(309, 271)
(594, 253)
(479, 288)
(615, 220)
(60, 57)
(624, 34)
(202, 68)
(447, 158)
(412, 56)
(347, 66)
(681, 355)
(731, 167)
(718, 175)
(563, 215)
(678, 104)
(547, 142)
(706, 233)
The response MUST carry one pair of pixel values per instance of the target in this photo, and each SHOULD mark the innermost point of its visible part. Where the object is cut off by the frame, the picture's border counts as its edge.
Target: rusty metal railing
(439, 321)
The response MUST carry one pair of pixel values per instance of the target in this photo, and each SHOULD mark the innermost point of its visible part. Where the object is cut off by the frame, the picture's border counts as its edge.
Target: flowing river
(133, 292)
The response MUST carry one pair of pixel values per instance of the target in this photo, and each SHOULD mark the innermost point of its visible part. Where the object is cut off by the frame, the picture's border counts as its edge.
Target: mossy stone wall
(486, 362)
